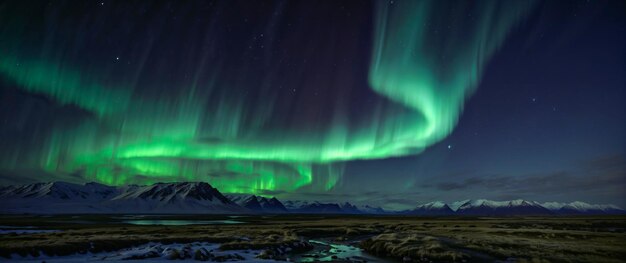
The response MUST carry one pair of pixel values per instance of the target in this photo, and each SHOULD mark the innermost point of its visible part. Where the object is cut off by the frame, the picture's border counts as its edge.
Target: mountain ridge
(202, 198)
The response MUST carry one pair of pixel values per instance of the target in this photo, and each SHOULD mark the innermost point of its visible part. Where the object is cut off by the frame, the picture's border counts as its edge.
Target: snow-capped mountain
(55, 197)
(188, 197)
(483, 207)
(578, 207)
(63, 198)
(455, 205)
(513, 207)
(259, 204)
(432, 208)
(60, 190)
(202, 198)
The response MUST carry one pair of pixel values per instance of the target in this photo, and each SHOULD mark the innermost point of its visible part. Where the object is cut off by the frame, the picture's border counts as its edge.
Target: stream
(336, 252)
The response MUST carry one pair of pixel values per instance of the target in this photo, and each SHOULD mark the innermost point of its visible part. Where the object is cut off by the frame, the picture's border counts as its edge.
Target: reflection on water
(180, 222)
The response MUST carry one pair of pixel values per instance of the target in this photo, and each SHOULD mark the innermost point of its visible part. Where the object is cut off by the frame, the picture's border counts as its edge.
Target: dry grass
(533, 239)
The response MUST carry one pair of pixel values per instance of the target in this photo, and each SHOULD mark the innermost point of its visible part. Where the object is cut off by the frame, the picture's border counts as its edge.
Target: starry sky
(386, 103)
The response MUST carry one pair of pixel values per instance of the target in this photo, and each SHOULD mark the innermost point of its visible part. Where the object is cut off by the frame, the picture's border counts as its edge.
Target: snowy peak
(432, 208)
(202, 198)
(497, 204)
(513, 207)
(186, 197)
(61, 197)
(259, 203)
(437, 205)
(171, 192)
(553, 206)
(578, 207)
(455, 205)
(59, 190)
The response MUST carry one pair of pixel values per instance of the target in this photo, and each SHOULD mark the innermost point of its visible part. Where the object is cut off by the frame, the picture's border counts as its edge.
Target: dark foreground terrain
(319, 238)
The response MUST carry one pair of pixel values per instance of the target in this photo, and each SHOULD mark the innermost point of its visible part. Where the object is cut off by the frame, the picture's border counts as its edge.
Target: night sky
(388, 103)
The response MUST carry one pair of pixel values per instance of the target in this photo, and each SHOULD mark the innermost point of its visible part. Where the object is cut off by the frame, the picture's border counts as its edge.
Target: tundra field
(320, 238)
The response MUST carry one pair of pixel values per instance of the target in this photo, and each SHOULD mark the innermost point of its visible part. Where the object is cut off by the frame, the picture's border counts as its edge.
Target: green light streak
(425, 62)
(414, 65)
(67, 86)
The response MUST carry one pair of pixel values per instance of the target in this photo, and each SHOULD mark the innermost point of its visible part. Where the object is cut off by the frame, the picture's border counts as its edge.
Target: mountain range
(202, 198)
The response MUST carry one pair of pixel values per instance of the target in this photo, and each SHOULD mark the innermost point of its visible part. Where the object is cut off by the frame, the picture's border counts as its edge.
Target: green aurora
(423, 67)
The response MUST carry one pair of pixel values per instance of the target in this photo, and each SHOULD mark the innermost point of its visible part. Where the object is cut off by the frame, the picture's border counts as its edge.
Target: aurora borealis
(253, 97)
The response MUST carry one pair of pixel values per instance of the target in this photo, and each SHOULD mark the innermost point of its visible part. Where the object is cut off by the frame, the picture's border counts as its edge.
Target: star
(449, 146)
(117, 58)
